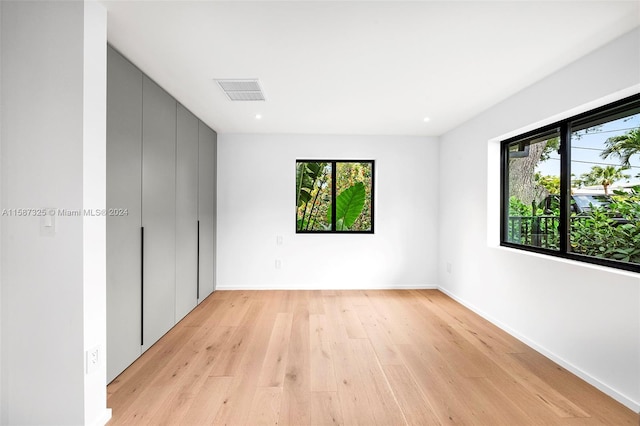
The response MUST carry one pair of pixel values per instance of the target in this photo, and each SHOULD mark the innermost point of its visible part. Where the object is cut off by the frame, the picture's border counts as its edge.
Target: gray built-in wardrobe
(161, 200)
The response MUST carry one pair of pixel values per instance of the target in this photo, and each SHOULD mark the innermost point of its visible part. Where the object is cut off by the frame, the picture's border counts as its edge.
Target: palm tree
(623, 146)
(604, 176)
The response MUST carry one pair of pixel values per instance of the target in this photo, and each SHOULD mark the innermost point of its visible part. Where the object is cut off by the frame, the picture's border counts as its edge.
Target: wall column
(53, 82)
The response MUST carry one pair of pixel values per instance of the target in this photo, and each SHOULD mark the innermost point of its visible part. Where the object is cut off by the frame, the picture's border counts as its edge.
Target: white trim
(572, 262)
(364, 286)
(104, 418)
(628, 402)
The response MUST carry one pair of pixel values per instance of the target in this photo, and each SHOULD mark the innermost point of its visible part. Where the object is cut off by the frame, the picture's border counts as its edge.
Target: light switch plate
(48, 222)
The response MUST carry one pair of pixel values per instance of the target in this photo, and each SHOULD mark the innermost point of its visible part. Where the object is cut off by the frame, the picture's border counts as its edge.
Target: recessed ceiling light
(258, 116)
(426, 119)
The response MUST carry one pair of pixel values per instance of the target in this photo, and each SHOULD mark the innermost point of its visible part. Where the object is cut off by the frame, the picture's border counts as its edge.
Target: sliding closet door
(124, 174)
(158, 211)
(207, 209)
(186, 213)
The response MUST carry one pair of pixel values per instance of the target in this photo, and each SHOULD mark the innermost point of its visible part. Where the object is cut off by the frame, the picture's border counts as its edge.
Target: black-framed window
(572, 189)
(335, 196)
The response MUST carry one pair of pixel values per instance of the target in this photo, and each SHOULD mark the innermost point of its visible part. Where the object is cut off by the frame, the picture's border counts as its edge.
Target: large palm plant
(605, 176)
(623, 147)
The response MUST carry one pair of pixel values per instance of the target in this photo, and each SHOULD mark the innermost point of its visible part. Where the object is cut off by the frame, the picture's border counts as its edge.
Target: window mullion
(565, 187)
(334, 175)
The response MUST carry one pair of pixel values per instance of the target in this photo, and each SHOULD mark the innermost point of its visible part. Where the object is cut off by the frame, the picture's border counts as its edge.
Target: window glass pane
(313, 196)
(353, 196)
(533, 192)
(605, 173)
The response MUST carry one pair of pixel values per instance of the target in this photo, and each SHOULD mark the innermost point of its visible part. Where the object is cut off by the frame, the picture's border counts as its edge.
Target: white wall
(256, 203)
(1, 352)
(94, 175)
(585, 317)
(52, 156)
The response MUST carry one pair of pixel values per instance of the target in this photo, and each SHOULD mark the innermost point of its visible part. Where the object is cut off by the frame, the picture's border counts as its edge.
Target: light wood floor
(349, 357)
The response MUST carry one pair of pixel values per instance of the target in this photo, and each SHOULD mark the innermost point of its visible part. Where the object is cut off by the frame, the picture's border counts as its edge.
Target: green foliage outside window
(611, 233)
(316, 192)
(595, 158)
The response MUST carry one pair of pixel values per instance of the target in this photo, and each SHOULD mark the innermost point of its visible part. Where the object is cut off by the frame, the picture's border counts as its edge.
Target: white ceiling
(360, 67)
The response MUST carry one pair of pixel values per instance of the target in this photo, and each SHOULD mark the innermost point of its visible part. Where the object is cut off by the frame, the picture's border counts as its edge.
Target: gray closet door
(158, 211)
(124, 172)
(207, 209)
(186, 213)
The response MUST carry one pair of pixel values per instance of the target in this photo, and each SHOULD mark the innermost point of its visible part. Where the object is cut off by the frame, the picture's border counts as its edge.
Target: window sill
(572, 262)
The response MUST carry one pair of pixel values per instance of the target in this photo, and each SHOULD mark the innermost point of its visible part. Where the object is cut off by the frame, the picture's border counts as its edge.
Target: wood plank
(322, 373)
(234, 308)
(352, 393)
(352, 324)
(390, 315)
(231, 355)
(416, 408)
(382, 403)
(316, 302)
(379, 337)
(207, 402)
(444, 390)
(325, 409)
(295, 406)
(275, 361)
(350, 318)
(265, 409)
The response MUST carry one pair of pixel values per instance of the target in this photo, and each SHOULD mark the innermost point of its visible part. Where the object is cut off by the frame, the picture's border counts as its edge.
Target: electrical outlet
(279, 240)
(449, 267)
(93, 359)
(278, 264)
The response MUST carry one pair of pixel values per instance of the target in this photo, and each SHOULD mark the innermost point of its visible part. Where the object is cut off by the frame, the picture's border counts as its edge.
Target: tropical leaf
(349, 204)
(303, 197)
(315, 169)
(301, 169)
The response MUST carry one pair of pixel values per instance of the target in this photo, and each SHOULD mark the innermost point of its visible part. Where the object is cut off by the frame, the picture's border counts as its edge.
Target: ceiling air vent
(242, 90)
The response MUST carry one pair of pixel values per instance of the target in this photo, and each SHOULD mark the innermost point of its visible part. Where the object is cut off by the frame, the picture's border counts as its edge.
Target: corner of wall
(215, 211)
(2, 419)
(440, 260)
(94, 199)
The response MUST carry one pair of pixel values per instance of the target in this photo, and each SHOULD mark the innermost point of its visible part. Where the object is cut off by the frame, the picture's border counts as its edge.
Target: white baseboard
(104, 418)
(626, 401)
(364, 286)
